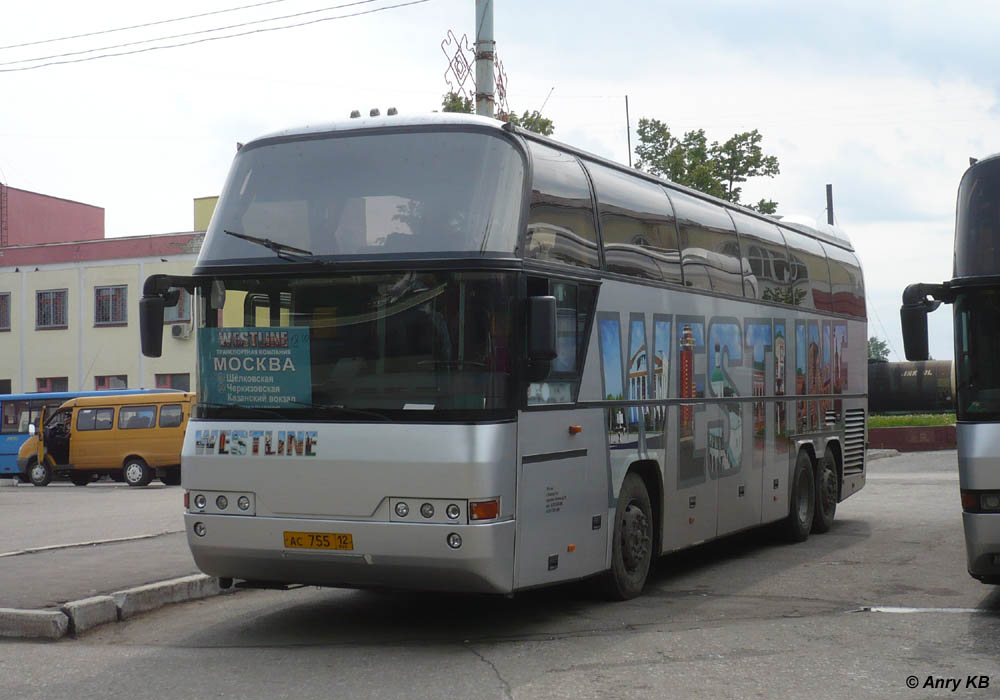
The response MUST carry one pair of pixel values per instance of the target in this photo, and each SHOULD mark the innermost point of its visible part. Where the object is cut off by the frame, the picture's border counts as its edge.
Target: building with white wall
(69, 310)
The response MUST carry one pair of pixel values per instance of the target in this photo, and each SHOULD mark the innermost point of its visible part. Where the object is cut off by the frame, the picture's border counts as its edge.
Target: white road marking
(35, 550)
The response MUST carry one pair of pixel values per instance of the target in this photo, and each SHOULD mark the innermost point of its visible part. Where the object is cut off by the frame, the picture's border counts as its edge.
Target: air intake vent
(854, 441)
(831, 417)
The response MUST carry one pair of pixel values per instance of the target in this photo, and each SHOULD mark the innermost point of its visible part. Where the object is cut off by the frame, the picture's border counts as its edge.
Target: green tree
(878, 349)
(715, 169)
(455, 102)
(532, 121)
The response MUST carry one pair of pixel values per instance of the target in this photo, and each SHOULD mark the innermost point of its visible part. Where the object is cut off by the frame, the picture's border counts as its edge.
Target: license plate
(319, 540)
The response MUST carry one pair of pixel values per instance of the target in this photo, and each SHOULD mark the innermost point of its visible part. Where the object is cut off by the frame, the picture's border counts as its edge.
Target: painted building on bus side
(69, 298)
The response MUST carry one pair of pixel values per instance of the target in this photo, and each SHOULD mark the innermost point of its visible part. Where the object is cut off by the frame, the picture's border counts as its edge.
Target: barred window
(5, 311)
(111, 381)
(181, 382)
(46, 384)
(50, 311)
(110, 307)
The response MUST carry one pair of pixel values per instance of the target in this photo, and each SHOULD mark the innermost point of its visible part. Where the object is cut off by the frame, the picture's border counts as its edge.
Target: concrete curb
(879, 453)
(79, 616)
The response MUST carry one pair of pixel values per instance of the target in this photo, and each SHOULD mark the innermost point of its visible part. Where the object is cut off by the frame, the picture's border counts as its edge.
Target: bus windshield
(977, 346)
(414, 193)
(415, 346)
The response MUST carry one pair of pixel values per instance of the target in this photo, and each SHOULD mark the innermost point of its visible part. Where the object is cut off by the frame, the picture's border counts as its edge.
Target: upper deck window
(810, 274)
(637, 226)
(846, 282)
(764, 249)
(710, 250)
(561, 220)
(389, 194)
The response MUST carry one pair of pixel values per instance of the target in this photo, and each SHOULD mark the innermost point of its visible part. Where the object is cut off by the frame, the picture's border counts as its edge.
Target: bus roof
(49, 395)
(800, 223)
(130, 399)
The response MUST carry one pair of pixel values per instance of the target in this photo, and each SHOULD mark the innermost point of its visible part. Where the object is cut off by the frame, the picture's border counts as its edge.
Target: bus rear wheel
(632, 541)
(137, 472)
(39, 474)
(827, 492)
(799, 522)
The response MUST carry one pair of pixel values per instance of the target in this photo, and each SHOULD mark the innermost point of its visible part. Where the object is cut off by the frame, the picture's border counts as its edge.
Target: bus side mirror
(542, 328)
(914, 323)
(31, 429)
(151, 325)
(917, 303)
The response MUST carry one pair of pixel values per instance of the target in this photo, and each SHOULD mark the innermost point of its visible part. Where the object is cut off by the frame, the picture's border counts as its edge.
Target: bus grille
(831, 417)
(854, 441)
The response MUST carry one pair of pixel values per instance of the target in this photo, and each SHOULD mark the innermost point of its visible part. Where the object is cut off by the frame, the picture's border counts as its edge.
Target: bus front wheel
(39, 474)
(802, 507)
(632, 543)
(137, 472)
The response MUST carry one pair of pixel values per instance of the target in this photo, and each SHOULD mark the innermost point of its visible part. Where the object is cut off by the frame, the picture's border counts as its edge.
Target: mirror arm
(927, 296)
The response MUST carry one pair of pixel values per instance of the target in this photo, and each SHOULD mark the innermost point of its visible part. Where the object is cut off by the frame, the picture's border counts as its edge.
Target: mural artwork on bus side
(738, 359)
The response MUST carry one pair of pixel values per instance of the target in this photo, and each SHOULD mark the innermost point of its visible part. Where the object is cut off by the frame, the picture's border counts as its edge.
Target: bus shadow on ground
(680, 586)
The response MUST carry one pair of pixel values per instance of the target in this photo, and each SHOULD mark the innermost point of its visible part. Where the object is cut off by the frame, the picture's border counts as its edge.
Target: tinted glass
(574, 310)
(977, 229)
(136, 417)
(710, 251)
(561, 219)
(393, 194)
(637, 226)
(381, 346)
(846, 282)
(171, 415)
(977, 347)
(764, 250)
(810, 275)
(14, 417)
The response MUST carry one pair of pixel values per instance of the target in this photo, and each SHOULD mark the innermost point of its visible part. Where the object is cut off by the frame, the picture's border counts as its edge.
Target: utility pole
(829, 204)
(628, 132)
(485, 51)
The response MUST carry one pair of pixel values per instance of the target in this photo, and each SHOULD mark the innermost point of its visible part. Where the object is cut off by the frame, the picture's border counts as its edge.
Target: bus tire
(80, 478)
(827, 492)
(632, 541)
(802, 501)
(136, 472)
(39, 474)
(171, 476)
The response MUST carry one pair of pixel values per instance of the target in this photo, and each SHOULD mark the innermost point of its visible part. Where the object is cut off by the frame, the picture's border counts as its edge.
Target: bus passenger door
(562, 496)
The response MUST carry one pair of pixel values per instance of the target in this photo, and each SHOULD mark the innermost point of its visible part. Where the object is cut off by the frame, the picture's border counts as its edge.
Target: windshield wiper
(285, 252)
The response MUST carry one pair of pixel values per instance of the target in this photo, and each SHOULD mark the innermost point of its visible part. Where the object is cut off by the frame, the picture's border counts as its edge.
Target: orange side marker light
(575, 429)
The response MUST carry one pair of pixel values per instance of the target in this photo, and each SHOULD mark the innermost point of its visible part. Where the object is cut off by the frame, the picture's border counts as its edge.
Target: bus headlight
(222, 502)
(243, 503)
(453, 511)
(199, 529)
(454, 540)
(200, 501)
(427, 510)
(990, 501)
(402, 510)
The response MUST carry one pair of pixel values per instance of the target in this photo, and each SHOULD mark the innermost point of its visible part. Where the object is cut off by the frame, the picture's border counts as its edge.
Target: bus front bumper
(385, 555)
(982, 544)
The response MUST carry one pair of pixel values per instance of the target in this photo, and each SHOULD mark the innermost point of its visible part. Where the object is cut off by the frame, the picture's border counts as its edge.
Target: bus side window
(575, 305)
(15, 417)
(810, 272)
(561, 224)
(710, 250)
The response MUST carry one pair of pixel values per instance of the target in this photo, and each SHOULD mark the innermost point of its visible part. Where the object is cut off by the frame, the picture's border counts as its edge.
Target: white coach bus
(975, 292)
(444, 353)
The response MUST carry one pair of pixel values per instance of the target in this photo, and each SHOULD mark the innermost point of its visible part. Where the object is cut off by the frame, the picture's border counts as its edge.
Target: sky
(884, 101)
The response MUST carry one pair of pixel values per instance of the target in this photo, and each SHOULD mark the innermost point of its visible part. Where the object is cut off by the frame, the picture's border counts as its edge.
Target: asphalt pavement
(43, 576)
